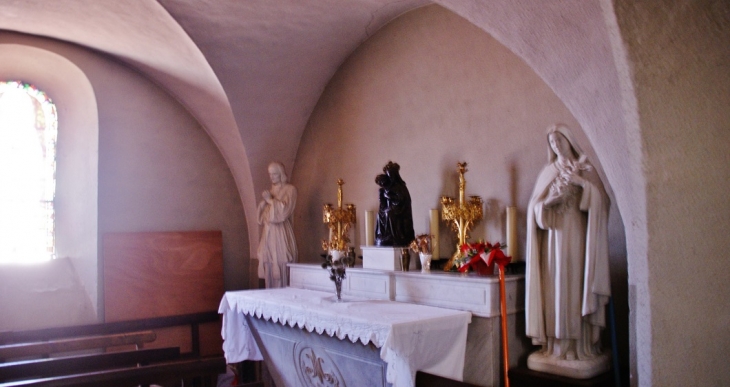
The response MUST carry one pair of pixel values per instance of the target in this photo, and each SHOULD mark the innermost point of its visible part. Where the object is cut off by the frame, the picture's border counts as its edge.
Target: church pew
(192, 319)
(44, 348)
(84, 363)
(206, 369)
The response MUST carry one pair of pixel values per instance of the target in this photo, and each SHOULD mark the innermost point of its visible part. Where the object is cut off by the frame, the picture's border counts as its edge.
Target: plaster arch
(76, 201)
(577, 49)
(145, 36)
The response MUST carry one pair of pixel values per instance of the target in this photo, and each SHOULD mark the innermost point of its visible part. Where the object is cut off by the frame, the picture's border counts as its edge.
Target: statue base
(577, 369)
(381, 258)
(522, 377)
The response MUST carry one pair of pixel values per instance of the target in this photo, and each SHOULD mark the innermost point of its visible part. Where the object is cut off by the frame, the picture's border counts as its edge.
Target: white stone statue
(567, 280)
(277, 245)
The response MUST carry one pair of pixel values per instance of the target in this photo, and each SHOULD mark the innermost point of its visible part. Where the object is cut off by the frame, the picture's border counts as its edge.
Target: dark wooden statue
(395, 218)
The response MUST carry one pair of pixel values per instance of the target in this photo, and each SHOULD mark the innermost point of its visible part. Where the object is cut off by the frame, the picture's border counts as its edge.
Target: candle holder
(462, 216)
(338, 220)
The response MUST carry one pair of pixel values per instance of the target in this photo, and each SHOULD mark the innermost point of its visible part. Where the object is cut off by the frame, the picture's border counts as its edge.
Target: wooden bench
(45, 348)
(84, 363)
(162, 373)
(193, 320)
(127, 368)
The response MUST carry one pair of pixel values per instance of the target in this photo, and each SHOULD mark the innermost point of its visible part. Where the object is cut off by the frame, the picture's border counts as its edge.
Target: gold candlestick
(338, 220)
(462, 216)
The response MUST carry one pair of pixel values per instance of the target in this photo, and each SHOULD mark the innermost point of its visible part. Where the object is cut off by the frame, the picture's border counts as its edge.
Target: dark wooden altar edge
(206, 368)
(192, 319)
(57, 366)
(524, 377)
(424, 379)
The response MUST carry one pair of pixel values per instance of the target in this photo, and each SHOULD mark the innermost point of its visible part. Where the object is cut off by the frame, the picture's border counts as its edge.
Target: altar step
(424, 379)
(524, 377)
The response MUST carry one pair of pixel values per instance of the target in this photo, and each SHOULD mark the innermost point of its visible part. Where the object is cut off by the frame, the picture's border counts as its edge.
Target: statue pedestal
(523, 377)
(577, 369)
(381, 258)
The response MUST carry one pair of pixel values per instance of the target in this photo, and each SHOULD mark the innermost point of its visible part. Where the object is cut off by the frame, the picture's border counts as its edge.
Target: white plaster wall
(679, 54)
(158, 169)
(43, 295)
(427, 91)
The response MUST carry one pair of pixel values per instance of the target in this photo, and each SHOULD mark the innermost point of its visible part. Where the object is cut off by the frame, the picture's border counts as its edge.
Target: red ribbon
(497, 256)
(481, 265)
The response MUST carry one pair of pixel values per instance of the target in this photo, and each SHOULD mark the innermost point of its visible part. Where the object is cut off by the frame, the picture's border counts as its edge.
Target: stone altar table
(472, 293)
(306, 335)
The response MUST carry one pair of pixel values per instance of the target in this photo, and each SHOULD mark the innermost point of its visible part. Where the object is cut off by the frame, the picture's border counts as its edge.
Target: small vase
(405, 259)
(425, 262)
(338, 289)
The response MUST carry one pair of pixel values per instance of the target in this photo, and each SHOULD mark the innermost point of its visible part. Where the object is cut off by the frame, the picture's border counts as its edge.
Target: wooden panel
(161, 274)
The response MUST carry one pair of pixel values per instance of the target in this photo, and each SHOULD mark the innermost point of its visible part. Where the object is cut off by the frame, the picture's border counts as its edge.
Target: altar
(306, 335)
(466, 292)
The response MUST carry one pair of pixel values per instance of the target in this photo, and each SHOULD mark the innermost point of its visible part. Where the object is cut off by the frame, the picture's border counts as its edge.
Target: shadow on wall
(43, 295)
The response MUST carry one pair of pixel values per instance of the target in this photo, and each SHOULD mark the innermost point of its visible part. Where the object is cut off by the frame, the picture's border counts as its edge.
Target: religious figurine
(394, 226)
(277, 245)
(567, 280)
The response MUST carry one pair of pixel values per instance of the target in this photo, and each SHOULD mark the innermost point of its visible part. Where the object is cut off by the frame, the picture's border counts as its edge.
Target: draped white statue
(567, 279)
(277, 245)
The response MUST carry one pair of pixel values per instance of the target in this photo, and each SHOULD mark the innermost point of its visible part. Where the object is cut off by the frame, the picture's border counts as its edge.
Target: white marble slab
(471, 293)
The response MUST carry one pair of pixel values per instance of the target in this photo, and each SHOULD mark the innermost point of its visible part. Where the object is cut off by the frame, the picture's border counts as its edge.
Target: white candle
(512, 232)
(369, 227)
(434, 216)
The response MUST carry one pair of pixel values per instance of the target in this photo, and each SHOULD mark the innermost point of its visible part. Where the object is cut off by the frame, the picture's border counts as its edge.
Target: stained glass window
(28, 131)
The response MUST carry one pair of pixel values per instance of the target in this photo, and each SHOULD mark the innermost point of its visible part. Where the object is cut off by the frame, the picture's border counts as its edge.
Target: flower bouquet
(480, 257)
(422, 246)
(336, 267)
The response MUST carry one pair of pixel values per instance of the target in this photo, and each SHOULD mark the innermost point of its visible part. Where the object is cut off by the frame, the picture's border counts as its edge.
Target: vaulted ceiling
(252, 71)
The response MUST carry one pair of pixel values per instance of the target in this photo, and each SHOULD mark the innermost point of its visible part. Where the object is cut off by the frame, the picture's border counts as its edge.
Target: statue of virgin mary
(567, 278)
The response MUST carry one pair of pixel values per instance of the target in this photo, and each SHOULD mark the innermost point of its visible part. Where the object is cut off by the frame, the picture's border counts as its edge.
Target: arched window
(28, 130)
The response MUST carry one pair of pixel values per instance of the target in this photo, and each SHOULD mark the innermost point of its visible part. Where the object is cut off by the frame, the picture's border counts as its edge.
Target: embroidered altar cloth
(410, 337)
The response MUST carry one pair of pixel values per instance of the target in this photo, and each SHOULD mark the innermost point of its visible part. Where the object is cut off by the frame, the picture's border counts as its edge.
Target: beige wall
(158, 170)
(428, 91)
(680, 54)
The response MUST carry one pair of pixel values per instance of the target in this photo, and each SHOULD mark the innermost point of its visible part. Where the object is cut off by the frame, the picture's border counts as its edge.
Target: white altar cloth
(410, 337)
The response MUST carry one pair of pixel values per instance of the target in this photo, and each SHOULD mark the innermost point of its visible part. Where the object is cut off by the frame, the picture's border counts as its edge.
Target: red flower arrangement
(481, 257)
